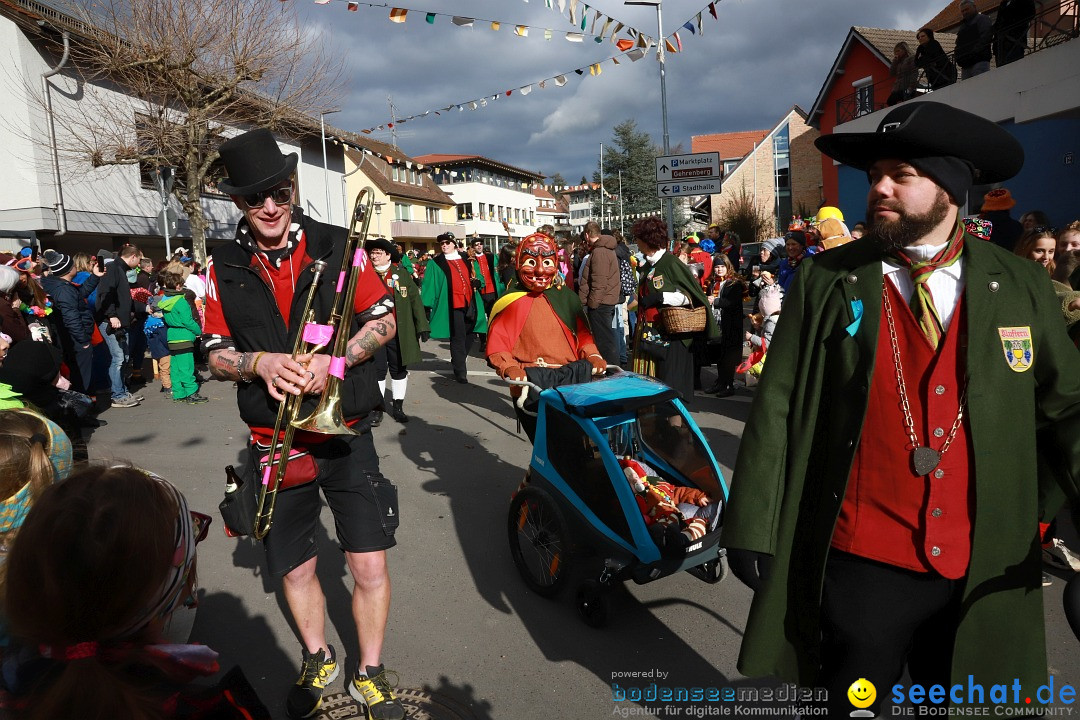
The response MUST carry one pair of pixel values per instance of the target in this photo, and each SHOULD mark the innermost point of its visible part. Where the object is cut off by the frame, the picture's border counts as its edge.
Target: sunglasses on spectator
(280, 196)
(1045, 229)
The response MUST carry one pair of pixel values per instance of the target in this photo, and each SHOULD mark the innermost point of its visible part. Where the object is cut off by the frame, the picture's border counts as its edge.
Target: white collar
(655, 256)
(452, 256)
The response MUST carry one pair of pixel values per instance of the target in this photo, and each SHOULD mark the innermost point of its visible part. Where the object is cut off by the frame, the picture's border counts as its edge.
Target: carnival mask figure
(537, 262)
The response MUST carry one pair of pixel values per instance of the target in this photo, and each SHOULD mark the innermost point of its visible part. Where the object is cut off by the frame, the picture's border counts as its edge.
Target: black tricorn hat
(254, 162)
(927, 129)
(384, 245)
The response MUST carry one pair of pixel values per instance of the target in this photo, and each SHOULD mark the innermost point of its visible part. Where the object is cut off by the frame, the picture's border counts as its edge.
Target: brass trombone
(327, 419)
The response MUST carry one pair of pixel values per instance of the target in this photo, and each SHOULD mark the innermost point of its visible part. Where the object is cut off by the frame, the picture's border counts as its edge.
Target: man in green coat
(451, 291)
(888, 466)
(412, 323)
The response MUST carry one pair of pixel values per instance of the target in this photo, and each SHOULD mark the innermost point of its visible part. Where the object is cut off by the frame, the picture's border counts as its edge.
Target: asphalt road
(463, 626)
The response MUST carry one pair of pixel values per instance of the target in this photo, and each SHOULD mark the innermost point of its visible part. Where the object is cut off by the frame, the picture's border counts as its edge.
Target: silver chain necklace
(923, 459)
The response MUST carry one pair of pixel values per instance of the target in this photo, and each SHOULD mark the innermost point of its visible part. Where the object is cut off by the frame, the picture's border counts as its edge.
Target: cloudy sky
(743, 72)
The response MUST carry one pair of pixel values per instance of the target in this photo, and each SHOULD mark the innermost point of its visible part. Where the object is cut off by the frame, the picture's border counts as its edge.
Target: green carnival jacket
(435, 295)
(798, 444)
(408, 311)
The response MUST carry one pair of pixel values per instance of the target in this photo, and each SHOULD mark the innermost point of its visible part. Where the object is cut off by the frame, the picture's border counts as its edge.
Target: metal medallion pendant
(925, 460)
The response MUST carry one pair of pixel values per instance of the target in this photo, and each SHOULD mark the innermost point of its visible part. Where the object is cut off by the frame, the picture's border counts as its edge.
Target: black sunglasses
(280, 196)
(1044, 229)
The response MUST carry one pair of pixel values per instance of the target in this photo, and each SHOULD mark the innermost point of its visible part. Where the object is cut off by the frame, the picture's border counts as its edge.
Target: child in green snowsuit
(182, 330)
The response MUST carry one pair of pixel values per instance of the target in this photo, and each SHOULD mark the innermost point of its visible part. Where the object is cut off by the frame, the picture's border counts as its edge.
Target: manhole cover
(419, 705)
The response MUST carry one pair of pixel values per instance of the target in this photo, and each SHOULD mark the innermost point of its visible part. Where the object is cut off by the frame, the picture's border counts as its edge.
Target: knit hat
(1000, 199)
(57, 262)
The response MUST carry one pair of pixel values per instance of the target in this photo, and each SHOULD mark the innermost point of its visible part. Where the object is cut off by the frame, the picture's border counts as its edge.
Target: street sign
(708, 186)
(167, 215)
(670, 168)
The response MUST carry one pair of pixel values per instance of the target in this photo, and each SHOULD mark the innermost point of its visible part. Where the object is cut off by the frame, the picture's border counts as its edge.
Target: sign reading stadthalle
(670, 168)
(708, 186)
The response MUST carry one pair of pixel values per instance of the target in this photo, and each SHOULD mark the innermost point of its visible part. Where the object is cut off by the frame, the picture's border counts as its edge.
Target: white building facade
(487, 193)
(72, 205)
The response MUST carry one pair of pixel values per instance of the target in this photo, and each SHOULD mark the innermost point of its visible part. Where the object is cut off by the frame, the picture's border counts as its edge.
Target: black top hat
(930, 129)
(254, 162)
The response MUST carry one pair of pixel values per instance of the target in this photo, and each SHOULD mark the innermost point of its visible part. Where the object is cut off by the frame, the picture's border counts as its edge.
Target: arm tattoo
(225, 364)
(373, 335)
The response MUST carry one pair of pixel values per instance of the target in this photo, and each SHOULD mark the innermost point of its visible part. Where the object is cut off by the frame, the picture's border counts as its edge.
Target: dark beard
(908, 228)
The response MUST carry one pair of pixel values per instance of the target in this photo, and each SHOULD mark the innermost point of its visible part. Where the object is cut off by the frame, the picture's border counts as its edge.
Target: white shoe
(1058, 555)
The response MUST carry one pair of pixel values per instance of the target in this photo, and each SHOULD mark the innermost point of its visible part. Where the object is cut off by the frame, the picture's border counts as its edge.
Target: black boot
(397, 412)
(376, 418)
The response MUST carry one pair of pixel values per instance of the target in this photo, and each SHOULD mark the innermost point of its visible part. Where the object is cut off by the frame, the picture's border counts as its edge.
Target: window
(402, 211)
(499, 215)
(414, 178)
(482, 212)
(433, 214)
(394, 173)
(464, 212)
(864, 96)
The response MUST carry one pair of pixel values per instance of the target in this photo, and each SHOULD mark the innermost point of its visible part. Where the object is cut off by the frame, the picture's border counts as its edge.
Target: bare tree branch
(194, 67)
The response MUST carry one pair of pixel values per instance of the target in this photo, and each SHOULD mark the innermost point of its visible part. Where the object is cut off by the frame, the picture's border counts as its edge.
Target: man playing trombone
(257, 288)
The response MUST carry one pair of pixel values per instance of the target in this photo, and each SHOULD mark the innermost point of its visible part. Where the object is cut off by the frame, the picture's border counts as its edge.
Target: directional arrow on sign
(706, 186)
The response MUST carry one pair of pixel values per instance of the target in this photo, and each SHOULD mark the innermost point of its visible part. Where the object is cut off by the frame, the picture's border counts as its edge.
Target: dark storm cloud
(745, 72)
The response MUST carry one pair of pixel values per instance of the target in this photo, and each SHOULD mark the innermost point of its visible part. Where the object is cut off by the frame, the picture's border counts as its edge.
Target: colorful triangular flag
(624, 44)
(398, 15)
(595, 69)
(521, 31)
(495, 25)
(560, 80)
(462, 21)
(712, 10)
(430, 18)
(575, 37)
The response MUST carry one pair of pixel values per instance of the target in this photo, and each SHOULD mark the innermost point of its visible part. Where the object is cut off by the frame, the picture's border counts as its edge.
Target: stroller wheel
(592, 604)
(539, 541)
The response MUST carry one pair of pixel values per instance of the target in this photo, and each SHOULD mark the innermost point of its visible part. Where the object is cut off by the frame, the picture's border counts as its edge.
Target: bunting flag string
(593, 70)
(579, 18)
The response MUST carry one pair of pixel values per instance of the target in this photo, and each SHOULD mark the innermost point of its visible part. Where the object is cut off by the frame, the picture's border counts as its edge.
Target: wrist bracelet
(255, 364)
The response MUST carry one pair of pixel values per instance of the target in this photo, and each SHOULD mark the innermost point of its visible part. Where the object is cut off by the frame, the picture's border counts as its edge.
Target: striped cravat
(922, 302)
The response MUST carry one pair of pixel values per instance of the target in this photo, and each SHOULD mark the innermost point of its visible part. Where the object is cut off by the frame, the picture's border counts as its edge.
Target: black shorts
(363, 502)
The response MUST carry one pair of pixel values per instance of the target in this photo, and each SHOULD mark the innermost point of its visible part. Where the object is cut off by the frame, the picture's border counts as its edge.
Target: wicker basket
(678, 320)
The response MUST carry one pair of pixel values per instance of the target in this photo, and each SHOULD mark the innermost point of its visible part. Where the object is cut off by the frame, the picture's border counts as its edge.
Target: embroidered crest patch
(403, 290)
(658, 281)
(1019, 350)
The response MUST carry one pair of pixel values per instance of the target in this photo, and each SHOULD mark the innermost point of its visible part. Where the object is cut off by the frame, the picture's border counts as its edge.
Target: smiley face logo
(862, 693)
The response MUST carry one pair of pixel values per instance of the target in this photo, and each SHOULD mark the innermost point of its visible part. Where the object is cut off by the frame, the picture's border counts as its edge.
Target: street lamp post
(663, 90)
(378, 217)
(326, 169)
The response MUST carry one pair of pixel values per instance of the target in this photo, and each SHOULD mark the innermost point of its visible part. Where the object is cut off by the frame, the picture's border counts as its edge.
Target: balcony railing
(411, 229)
(1056, 24)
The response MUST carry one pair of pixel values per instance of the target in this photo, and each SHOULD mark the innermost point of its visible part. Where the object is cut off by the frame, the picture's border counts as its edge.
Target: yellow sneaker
(317, 670)
(374, 693)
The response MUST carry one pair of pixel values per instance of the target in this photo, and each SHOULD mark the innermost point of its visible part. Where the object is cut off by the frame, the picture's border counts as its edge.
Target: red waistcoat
(460, 283)
(889, 514)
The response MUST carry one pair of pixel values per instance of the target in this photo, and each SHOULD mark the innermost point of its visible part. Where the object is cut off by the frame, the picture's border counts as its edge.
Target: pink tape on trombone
(317, 334)
(341, 280)
(337, 367)
(266, 475)
(359, 258)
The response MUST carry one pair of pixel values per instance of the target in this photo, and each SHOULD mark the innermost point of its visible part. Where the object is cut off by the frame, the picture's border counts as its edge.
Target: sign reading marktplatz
(690, 174)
